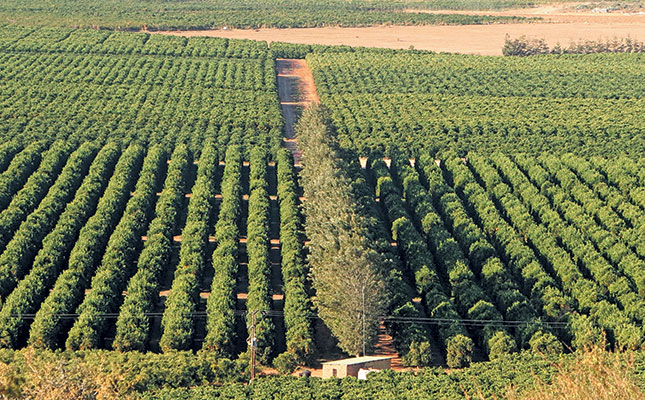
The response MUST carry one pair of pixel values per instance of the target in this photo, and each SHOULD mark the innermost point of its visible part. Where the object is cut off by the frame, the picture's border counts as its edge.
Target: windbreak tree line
(523, 46)
(349, 273)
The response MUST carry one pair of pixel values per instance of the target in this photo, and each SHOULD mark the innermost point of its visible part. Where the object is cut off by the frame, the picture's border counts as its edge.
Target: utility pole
(363, 319)
(253, 342)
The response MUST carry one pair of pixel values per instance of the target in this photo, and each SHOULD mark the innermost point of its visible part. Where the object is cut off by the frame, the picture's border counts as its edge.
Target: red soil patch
(296, 89)
(385, 347)
(302, 76)
(274, 297)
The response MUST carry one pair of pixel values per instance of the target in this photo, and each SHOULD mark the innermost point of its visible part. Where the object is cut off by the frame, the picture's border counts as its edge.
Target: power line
(386, 318)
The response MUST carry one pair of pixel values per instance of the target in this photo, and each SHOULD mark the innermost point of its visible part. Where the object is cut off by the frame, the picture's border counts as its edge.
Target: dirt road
(296, 90)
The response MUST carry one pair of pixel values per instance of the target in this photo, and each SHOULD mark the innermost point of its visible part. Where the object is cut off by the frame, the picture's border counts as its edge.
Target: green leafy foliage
(117, 262)
(260, 294)
(223, 14)
(297, 306)
(31, 291)
(145, 88)
(338, 227)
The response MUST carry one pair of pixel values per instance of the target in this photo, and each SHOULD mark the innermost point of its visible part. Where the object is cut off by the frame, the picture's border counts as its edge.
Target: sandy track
(296, 89)
(468, 39)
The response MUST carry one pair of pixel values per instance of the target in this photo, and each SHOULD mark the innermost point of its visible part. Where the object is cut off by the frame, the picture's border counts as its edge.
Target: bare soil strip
(385, 347)
(296, 90)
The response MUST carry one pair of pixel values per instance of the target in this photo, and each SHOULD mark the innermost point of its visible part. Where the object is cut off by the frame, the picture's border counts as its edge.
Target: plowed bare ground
(558, 13)
(561, 24)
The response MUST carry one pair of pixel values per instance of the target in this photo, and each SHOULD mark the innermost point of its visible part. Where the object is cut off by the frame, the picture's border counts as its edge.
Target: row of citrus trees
(84, 256)
(105, 69)
(411, 72)
(516, 252)
(380, 100)
(87, 41)
(148, 97)
(193, 15)
(428, 123)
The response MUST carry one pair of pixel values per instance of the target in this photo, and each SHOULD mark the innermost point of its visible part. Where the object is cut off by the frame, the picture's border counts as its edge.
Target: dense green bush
(419, 354)
(459, 350)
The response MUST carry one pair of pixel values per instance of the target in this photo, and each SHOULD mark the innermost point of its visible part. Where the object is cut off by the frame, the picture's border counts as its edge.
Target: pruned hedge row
(19, 170)
(31, 291)
(634, 216)
(8, 150)
(543, 290)
(419, 264)
(220, 307)
(91, 237)
(470, 299)
(36, 187)
(597, 311)
(119, 259)
(257, 248)
(494, 277)
(142, 293)
(179, 314)
(619, 243)
(297, 306)
(18, 256)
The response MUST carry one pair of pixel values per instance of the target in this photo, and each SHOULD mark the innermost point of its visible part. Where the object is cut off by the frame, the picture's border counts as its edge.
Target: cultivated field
(558, 24)
(173, 206)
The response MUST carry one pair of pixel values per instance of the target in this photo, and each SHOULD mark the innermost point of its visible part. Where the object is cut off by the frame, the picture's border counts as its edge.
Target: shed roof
(357, 360)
